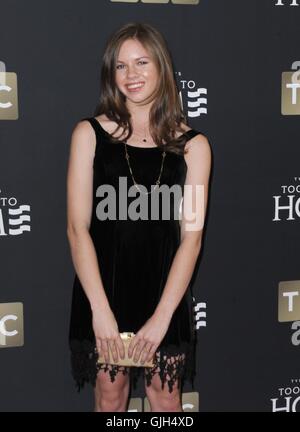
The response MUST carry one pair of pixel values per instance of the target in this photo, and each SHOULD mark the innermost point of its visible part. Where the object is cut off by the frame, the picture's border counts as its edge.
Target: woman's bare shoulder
(83, 138)
(83, 130)
(197, 146)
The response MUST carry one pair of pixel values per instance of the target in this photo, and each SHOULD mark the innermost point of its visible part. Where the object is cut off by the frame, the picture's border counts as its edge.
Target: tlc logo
(289, 301)
(290, 87)
(283, 3)
(8, 94)
(11, 325)
(289, 307)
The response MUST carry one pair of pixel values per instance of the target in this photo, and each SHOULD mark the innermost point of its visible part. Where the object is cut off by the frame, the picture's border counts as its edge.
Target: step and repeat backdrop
(237, 65)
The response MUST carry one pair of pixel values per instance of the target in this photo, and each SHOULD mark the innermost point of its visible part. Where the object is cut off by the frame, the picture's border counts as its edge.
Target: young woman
(132, 274)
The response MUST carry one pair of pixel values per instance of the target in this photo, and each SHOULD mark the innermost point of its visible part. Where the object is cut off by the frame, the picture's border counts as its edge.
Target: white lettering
(290, 296)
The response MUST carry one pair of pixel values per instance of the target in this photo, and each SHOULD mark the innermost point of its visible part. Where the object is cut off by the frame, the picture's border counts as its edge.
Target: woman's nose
(131, 71)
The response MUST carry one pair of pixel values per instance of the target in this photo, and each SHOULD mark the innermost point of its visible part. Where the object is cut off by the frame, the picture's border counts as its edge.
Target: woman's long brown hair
(166, 112)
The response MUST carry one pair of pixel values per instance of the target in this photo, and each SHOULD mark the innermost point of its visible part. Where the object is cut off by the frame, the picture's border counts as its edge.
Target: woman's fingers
(98, 346)
(120, 346)
(104, 349)
(141, 347)
(146, 351)
(151, 353)
(132, 346)
(113, 347)
(138, 349)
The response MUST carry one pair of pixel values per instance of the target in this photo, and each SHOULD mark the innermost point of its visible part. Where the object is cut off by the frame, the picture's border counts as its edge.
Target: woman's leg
(162, 400)
(112, 396)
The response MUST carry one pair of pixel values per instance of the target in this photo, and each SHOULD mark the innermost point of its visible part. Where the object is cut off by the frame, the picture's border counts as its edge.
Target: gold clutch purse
(126, 338)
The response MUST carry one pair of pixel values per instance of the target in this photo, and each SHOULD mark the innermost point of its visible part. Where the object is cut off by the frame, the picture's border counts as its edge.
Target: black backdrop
(234, 52)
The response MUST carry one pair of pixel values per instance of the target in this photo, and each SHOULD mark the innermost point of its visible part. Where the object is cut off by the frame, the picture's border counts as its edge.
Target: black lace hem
(171, 363)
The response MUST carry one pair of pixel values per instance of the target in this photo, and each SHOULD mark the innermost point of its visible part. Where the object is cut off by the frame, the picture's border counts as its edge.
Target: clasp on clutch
(127, 335)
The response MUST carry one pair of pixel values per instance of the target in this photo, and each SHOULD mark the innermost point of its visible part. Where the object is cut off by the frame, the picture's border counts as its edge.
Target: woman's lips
(135, 87)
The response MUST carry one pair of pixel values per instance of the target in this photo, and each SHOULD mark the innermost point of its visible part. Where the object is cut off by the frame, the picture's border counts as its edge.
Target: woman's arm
(198, 161)
(79, 211)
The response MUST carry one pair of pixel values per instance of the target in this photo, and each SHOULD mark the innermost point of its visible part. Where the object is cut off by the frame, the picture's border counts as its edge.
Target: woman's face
(136, 73)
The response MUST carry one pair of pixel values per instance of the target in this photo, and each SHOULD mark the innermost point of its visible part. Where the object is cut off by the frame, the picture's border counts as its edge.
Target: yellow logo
(289, 301)
(11, 325)
(290, 92)
(8, 94)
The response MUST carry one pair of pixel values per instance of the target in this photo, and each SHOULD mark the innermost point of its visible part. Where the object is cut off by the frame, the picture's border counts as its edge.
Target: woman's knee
(111, 403)
(111, 396)
(162, 399)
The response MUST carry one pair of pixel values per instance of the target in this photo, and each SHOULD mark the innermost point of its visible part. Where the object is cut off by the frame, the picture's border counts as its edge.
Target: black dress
(134, 258)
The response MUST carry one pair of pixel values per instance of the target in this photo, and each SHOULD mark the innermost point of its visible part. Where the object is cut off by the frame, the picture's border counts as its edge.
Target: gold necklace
(157, 183)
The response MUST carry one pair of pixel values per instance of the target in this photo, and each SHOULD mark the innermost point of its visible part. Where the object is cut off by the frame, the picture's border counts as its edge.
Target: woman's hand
(107, 334)
(147, 339)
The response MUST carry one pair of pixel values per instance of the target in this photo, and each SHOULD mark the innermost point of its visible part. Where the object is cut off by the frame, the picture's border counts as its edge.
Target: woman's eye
(142, 62)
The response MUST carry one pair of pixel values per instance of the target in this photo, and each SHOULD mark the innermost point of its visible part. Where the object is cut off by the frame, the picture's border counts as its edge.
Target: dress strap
(192, 133)
(95, 125)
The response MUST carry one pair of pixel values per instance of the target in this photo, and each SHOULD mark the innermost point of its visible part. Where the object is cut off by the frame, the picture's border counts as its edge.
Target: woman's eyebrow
(138, 58)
